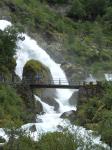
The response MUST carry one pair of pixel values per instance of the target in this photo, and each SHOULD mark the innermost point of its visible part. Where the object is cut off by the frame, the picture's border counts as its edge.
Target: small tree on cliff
(8, 46)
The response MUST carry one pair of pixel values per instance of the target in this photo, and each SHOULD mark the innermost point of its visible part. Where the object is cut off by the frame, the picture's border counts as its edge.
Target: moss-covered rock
(34, 72)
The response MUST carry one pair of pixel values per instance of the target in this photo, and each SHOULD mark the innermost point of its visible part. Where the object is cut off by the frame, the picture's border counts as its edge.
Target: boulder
(70, 115)
(38, 107)
(33, 128)
(51, 102)
(2, 140)
(38, 120)
(35, 72)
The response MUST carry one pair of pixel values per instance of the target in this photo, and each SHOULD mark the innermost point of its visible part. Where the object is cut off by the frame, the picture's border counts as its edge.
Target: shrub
(11, 107)
(57, 141)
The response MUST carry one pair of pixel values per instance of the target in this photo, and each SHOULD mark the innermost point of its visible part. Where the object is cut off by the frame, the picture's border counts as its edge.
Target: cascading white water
(27, 50)
(108, 76)
(90, 78)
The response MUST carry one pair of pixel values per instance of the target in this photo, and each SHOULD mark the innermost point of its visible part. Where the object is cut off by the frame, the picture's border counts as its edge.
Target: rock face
(36, 73)
(51, 102)
(71, 115)
(32, 106)
(74, 72)
(73, 100)
(38, 107)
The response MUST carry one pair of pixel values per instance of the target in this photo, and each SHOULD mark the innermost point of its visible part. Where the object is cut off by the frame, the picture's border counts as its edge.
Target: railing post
(84, 84)
(59, 81)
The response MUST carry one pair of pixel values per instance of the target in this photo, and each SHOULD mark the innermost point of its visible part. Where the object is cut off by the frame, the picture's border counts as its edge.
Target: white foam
(90, 78)
(4, 24)
(108, 76)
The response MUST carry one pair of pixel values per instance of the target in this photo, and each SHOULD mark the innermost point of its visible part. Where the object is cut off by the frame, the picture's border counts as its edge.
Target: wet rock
(38, 120)
(38, 107)
(51, 102)
(4, 13)
(70, 115)
(32, 106)
(60, 127)
(73, 100)
(74, 72)
(2, 140)
(33, 128)
(12, 7)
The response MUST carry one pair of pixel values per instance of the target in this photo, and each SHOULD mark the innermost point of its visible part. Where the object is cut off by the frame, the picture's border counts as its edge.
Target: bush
(22, 143)
(57, 141)
(52, 141)
(11, 107)
(105, 127)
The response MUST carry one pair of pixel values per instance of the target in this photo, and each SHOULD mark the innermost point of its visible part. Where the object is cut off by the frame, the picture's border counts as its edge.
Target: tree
(77, 11)
(94, 8)
(7, 43)
(108, 18)
(8, 46)
(107, 96)
(105, 128)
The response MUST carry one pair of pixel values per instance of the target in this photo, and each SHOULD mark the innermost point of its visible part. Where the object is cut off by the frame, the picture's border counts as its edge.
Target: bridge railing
(59, 82)
(56, 81)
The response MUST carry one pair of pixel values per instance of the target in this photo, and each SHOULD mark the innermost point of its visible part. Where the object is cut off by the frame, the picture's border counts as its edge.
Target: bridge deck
(62, 86)
(55, 86)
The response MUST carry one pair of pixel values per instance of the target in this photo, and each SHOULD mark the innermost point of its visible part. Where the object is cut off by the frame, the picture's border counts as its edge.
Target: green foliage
(57, 141)
(88, 10)
(11, 107)
(77, 10)
(95, 8)
(57, 1)
(34, 68)
(8, 39)
(107, 96)
(87, 38)
(108, 18)
(7, 44)
(105, 126)
(86, 42)
(22, 143)
(51, 141)
(2, 140)
(96, 114)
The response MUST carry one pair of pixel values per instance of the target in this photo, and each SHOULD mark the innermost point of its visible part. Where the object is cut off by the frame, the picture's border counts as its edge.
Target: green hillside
(83, 31)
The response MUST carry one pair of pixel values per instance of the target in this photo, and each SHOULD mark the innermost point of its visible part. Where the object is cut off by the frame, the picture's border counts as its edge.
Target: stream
(50, 120)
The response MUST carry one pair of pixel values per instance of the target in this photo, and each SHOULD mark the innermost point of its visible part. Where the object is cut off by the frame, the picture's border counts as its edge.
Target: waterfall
(50, 120)
(90, 78)
(108, 76)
